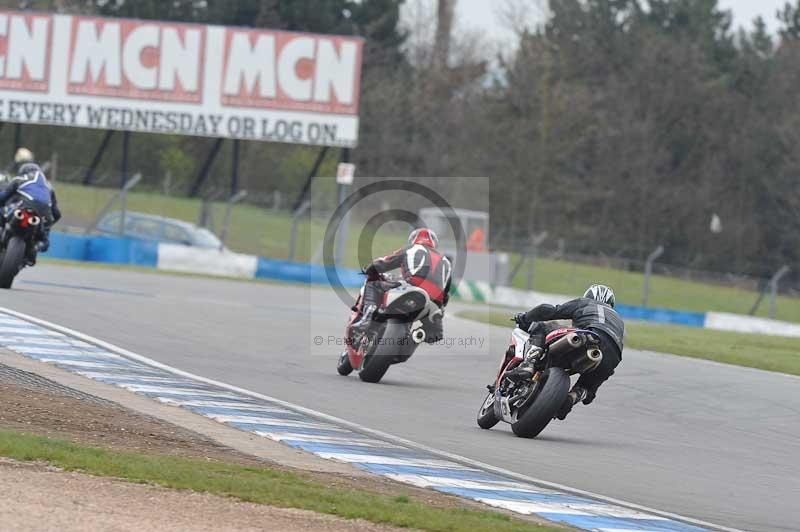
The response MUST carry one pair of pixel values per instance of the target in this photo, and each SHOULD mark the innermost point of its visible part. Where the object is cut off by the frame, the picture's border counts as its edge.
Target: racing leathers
(585, 314)
(420, 266)
(34, 187)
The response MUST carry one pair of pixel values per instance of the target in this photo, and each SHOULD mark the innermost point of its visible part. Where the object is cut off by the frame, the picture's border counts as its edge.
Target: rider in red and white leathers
(421, 265)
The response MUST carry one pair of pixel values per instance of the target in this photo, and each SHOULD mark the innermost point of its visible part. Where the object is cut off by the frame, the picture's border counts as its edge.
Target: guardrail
(171, 257)
(511, 297)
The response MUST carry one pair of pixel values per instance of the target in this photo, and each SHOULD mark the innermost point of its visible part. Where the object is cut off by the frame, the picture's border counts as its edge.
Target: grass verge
(560, 277)
(770, 353)
(258, 485)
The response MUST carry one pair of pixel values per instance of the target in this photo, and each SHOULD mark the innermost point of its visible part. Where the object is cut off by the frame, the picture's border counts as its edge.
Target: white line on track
(362, 429)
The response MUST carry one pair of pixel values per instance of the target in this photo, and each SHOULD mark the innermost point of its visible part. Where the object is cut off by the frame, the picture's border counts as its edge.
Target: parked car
(160, 228)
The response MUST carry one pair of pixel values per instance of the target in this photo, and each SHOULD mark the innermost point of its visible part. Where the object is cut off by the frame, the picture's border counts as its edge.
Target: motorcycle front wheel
(554, 387)
(486, 416)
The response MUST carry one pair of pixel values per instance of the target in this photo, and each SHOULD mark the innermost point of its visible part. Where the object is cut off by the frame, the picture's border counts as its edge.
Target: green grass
(253, 230)
(559, 277)
(258, 485)
(770, 353)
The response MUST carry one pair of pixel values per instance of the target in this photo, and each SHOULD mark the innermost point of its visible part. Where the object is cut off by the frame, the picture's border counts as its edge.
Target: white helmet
(601, 293)
(23, 155)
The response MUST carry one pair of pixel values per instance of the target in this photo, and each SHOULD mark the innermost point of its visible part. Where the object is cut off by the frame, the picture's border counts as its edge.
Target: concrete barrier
(187, 259)
(722, 321)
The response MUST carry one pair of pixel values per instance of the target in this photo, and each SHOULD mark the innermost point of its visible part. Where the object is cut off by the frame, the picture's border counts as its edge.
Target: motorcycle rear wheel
(12, 261)
(387, 347)
(554, 389)
(486, 416)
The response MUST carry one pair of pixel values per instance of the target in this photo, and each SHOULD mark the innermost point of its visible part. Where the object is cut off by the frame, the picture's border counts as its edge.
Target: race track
(713, 442)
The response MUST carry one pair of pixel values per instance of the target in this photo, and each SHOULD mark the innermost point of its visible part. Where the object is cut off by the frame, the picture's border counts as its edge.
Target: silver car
(159, 228)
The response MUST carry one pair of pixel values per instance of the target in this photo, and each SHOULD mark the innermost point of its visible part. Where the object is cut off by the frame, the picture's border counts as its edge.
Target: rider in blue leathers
(32, 185)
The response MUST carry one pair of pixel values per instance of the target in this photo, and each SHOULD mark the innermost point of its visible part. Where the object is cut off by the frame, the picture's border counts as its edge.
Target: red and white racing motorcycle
(531, 403)
(394, 334)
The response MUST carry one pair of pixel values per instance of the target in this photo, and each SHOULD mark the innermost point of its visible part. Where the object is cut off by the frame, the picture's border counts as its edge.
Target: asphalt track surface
(713, 442)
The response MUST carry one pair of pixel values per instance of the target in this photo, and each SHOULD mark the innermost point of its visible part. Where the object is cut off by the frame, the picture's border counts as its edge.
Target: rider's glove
(521, 319)
(372, 273)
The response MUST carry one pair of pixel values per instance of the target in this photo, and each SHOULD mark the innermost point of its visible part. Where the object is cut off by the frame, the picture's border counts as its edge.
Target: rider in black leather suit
(594, 312)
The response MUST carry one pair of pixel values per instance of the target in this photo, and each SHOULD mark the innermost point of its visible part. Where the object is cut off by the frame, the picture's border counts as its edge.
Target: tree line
(616, 125)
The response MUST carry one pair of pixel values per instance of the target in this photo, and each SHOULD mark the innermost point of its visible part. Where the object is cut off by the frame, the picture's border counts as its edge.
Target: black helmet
(601, 293)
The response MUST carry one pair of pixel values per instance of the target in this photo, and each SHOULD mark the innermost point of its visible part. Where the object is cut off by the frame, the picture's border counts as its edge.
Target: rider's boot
(372, 298)
(573, 397)
(44, 243)
(365, 319)
(520, 374)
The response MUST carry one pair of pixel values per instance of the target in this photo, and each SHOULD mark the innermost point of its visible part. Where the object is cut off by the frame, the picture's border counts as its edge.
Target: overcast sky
(483, 14)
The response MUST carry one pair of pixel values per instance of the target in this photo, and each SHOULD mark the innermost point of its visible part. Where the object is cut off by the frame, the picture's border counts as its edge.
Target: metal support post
(311, 175)
(536, 241)
(89, 177)
(648, 271)
(204, 171)
(233, 200)
(341, 241)
(17, 137)
(298, 214)
(773, 290)
(235, 167)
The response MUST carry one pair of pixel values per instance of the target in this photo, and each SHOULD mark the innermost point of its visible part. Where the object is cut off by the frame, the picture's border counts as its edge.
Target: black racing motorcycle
(530, 404)
(22, 230)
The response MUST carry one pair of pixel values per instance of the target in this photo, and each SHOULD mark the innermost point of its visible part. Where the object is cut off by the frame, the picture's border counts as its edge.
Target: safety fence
(172, 257)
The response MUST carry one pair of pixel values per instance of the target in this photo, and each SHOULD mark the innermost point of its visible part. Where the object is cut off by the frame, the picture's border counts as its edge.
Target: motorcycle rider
(421, 265)
(32, 185)
(594, 312)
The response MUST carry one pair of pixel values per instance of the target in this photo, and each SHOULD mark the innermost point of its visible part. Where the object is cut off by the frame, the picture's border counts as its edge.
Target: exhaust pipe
(595, 355)
(588, 362)
(34, 220)
(566, 343)
(18, 214)
(418, 335)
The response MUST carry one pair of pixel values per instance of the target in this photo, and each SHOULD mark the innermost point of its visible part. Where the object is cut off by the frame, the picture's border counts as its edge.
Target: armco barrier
(676, 317)
(305, 273)
(513, 297)
(519, 299)
(136, 252)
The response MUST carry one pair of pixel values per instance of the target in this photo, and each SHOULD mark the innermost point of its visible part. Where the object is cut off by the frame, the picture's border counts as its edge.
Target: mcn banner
(186, 79)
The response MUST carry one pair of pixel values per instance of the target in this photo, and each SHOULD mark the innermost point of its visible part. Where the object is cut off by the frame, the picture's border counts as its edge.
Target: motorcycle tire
(486, 415)
(13, 259)
(343, 367)
(377, 363)
(375, 367)
(554, 389)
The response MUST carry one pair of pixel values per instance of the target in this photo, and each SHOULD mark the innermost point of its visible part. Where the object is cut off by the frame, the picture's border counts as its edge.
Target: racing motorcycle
(530, 404)
(394, 334)
(22, 226)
